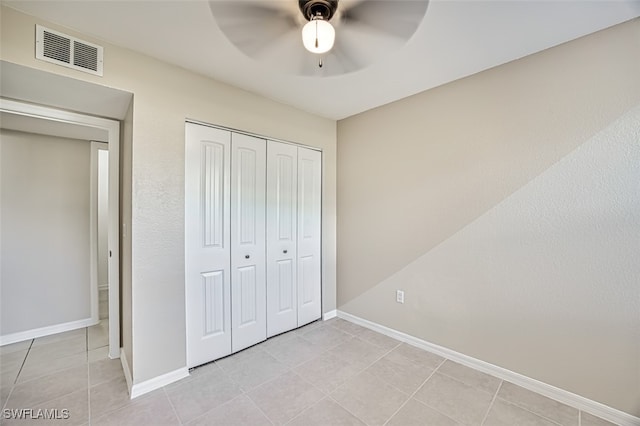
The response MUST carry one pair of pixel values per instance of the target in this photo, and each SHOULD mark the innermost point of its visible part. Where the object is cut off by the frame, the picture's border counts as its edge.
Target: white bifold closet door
(252, 240)
(282, 231)
(293, 237)
(248, 249)
(309, 235)
(225, 251)
(207, 243)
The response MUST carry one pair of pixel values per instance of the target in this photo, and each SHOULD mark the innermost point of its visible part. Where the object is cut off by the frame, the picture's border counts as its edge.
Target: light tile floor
(327, 373)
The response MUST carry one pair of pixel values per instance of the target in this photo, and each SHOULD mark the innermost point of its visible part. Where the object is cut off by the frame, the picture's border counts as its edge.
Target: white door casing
(112, 129)
(95, 212)
(207, 243)
(282, 176)
(309, 235)
(248, 234)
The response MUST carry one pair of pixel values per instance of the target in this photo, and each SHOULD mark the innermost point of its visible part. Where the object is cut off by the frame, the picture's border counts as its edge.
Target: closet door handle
(285, 251)
(246, 256)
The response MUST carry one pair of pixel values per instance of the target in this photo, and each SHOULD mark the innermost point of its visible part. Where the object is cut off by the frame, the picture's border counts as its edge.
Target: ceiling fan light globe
(320, 30)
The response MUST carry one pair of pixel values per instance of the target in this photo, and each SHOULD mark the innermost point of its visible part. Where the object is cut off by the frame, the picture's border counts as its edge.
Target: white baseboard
(127, 371)
(329, 315)
(579, 402)
(147, 386)
(7, 339)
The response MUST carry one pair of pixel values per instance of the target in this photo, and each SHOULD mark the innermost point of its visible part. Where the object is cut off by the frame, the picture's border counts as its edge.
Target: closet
(252, 240)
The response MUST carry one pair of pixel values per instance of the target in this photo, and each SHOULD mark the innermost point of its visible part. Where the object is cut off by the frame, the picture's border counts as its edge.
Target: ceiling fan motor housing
(314, 8)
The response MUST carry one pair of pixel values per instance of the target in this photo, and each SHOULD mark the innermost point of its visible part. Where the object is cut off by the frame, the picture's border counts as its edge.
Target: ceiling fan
(318, 37)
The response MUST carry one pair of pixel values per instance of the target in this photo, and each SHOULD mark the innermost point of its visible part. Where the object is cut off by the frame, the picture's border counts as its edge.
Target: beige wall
(126, 290)
(45, 231)
(103, 217)
(164, 96)
(478, 199)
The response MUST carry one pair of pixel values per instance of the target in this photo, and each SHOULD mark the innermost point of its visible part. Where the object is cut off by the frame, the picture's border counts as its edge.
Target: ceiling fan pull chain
(317, 34)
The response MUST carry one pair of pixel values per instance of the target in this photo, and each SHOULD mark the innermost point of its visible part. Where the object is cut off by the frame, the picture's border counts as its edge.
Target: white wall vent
(58, 48)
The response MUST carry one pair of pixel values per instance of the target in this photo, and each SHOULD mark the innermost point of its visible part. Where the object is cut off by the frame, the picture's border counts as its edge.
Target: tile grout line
(452, 378)
(201, 415)
(307, 409)
(259, 409)
(371, 363)
(493, 400)
(345, 408)
(24, 361)
(457, 379)
(246, 393)
(58, 396)
(321, 325)
(325, 395)
(352, 336)
(13, 385)
(415, 391)
(516, 404)
(302, 412)
(290, 369)
(361, 371)
(166, 394)
(328, 348)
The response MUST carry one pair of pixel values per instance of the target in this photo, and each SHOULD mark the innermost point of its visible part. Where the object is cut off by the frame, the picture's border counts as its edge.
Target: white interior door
(309, 235)
(282, 174)
(207, 243)
(248, 275)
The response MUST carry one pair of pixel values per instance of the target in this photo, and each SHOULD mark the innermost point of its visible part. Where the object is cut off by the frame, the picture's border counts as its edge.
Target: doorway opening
(104, 216)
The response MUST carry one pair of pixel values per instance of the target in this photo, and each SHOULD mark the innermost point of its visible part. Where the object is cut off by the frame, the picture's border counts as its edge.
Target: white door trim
(93, 223)
(113, 139)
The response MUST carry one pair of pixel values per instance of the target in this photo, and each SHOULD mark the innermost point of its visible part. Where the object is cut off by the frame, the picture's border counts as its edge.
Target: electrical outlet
(399, 296)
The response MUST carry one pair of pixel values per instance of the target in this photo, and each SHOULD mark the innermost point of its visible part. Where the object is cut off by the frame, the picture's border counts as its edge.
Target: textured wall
(164, 96)
(45, 190)
(506, 206)
(126, 186)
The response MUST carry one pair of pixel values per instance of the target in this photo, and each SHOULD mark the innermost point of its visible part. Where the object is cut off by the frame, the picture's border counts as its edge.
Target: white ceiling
(457, 38)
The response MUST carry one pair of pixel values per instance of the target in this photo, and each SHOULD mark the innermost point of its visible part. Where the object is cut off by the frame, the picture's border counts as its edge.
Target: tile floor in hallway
(327, 373)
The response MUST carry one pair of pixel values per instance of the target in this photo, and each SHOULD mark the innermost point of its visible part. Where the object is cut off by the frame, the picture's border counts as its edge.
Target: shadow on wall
(545, 282)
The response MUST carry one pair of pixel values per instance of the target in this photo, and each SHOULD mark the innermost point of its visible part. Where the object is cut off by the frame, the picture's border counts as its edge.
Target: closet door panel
(248, 252)
(309, 236)
(282, 166)
(207, 247)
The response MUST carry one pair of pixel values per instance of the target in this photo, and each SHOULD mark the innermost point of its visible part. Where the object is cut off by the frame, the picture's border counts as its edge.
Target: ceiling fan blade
(399, 18)
(270, 31)
(283, 53)
(358, 46)
(287, 54)
(253, 25)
